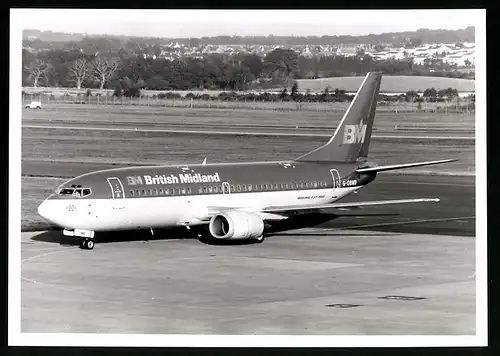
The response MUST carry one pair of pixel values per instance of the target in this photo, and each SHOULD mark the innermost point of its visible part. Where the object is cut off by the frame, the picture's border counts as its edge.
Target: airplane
(230, 201)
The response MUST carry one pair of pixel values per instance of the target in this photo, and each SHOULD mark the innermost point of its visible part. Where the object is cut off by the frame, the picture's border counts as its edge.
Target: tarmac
(307, 282)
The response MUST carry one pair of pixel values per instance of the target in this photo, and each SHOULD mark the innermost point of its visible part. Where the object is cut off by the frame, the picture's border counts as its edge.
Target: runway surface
(304, 282)
(236, 129)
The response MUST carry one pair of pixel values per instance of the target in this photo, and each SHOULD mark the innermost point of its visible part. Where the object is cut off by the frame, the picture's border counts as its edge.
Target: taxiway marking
(400, 223)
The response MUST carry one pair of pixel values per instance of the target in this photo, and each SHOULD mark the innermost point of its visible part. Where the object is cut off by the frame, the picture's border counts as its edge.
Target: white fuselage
(168, 211)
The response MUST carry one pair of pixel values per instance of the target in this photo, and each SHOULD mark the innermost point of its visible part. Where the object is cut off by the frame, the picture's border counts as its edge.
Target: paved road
(453, 215)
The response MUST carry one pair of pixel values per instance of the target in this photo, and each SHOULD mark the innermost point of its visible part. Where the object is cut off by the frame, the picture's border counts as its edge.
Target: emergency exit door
(336, 180)
(117, 193)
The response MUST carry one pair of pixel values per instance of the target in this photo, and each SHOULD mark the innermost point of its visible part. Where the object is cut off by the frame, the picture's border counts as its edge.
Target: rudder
(351, 139)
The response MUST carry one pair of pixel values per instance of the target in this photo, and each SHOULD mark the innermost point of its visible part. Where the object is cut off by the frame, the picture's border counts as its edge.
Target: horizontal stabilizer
(401, 166)
(284, 209)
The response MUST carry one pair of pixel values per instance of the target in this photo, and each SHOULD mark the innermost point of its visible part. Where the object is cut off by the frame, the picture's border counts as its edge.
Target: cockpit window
(66, 191)
(76, 192)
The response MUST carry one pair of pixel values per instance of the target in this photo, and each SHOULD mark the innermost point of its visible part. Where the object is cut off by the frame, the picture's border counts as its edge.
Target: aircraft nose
(46, 211)
(43, 210)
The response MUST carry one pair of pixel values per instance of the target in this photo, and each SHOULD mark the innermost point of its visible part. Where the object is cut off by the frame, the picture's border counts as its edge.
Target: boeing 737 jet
(232, 201)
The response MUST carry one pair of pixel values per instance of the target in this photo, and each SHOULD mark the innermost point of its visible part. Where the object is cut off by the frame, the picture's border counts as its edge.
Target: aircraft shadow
(57, 237)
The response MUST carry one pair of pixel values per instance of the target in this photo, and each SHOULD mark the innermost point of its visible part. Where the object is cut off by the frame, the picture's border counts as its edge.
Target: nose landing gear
(88, 235)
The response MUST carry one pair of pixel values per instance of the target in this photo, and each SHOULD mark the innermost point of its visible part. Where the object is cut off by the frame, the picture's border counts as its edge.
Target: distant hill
(390, 84)
(396, 38)
(49, 36)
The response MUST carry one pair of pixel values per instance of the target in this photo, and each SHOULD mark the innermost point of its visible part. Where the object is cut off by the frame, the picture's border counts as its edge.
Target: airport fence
(463, 106)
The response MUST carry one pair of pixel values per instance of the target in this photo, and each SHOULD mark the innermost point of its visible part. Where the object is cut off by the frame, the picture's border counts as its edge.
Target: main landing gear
(87, 244)
(259, 239)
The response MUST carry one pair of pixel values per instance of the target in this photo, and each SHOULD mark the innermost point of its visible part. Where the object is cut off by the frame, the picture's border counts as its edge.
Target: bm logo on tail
(354, 133)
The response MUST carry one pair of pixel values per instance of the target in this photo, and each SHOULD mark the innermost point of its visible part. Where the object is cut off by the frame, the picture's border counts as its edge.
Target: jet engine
(236, 225)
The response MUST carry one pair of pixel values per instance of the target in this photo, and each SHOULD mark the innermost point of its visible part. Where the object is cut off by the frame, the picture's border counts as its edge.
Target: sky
(198, 23)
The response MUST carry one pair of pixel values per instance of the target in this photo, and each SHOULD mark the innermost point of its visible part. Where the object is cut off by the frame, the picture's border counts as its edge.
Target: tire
(83, 245)
(260, 239)
(90, 245)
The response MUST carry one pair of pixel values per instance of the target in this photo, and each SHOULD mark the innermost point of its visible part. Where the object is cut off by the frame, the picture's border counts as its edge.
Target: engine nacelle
(236, 225)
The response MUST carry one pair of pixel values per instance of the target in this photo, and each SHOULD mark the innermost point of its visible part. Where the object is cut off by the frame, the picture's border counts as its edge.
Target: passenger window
(315, 184)
(143, 192)
(183, 190)
(204, 189)
(239, 188)
(275, 185)
(178, 190)
(189, 190)
(216, 189)
(166, 191)
(138, 193)
(249, 187)
(244, 187)
(156, 191)
(200, 190)
(149, 192)
(161, 191)
(210, 189)
(232, 187)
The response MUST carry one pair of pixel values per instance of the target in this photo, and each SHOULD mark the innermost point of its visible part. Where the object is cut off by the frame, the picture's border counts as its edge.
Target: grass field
(391, 84)
(151, 147)
(384, 120)
(34, 191)
(452, 106)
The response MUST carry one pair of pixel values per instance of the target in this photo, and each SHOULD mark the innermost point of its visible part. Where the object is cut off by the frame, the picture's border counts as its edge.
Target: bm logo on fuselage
(354, 134)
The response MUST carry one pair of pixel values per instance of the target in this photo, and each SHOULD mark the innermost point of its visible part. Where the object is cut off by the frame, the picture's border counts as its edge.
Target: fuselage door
(117, 192)
(226, 189)
(336, 180)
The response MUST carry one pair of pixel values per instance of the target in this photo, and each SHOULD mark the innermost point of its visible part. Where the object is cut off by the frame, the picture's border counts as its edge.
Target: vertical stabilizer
(351, 139)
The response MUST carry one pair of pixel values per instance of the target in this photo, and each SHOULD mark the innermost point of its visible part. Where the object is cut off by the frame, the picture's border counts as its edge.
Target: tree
(430, 93)
(295, 89)
(103, 70)
(36, 70)
(281, 64)
(78, 71)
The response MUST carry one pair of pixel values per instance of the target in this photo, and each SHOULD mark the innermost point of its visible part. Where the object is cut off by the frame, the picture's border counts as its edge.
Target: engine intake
(236, 225)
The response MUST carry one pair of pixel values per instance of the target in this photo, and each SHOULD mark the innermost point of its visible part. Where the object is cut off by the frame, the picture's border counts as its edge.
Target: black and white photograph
(264, 178)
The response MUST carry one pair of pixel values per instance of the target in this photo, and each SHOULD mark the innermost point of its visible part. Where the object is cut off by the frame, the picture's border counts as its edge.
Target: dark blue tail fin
(351, 139)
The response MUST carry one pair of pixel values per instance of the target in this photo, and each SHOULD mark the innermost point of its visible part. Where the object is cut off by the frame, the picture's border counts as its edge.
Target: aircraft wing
(400, 166)
(285, 209)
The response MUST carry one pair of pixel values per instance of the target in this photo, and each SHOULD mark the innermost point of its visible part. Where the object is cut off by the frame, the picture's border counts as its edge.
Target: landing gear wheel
(260, 239)
(87, 244)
